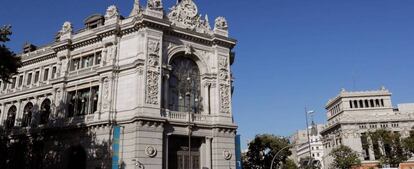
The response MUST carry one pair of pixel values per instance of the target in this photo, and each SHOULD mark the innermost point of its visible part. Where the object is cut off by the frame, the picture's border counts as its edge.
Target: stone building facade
(163, 79)
(351, 115)
(302, 151)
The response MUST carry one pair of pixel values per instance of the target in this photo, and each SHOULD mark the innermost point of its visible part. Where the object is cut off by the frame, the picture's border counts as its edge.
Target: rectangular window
(53, 72)
(37, 77)
(20, 80)
(90, 61)
(13, 82)
(74, 65)
(84, 62)
(83, 102)
(29, 79)
(46, 74)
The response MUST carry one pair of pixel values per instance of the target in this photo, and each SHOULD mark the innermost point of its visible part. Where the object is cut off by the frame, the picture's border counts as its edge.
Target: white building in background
(127, 91)
(351, 115)
(301, 150)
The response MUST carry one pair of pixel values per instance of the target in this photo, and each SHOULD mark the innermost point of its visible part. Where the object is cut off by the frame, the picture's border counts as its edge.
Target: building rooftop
(346, 94)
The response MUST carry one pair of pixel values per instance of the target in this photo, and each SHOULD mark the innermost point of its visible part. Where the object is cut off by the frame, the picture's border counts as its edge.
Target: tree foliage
(344, 157)
(262, 150)
(9, 63)
(408, 143)
(391, 150)
(289, 164)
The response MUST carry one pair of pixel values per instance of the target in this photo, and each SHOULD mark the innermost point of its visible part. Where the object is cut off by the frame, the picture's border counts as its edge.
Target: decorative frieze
(224, 98)
(105, 94)
(152, 87)
(153, 72)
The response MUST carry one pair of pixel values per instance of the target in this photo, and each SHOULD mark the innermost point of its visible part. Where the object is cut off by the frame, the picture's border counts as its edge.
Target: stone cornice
(39, 59)
(351, 94)
(43, 89)
(87, 37)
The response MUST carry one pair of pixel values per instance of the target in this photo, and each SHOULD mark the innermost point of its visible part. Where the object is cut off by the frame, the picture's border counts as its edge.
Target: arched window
(361, 104)
(184, 86)
(366, 104)
(27, 114)
(372, 103)
(11, 117)
(45, 111)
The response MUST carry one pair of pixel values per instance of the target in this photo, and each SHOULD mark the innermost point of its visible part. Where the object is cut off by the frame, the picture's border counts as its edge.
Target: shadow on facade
(56, 143)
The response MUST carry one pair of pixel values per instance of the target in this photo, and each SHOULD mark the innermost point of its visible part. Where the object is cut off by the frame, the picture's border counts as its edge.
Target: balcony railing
(185, 117)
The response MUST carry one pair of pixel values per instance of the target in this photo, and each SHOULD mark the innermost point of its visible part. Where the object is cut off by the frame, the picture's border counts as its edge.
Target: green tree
(289, 164)
(9, 63)
(392, 151)
(262, 150)
(408, 143)
(344, 157)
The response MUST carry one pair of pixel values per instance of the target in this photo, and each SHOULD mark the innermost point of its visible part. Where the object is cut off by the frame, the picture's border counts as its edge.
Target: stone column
(100, 95)
(41, 72)
(33, 77)
(24, 79)
(371, 150)
(19, 105)
(208, 152)
(206, 98)
(49, 76)
(17, 81)
(2, 112)
(166, 90)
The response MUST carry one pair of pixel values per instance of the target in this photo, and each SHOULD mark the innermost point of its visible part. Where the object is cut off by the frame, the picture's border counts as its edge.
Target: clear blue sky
(291, 53)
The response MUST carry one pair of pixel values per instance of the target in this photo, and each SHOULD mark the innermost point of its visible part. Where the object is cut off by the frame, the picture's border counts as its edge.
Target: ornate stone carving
(111, 12)
(225, 98)
(153, 72)
(185, 15)
(153, 47)
(223, 74)
(58, 95)
(137, 9)
(105, 94)
(188, 49)
(66, 28)
(220, 23)
(152, 87)
(154, 4)
(227, 154)
(222, 62)
(151, 151)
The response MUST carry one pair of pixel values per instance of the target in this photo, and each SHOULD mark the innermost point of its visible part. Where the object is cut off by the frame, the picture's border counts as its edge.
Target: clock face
(190, 9)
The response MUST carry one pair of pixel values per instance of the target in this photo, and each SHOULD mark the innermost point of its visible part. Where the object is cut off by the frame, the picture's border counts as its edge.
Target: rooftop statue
(185, 15)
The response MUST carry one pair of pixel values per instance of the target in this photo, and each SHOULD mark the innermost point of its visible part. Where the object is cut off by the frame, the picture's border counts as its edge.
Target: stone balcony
(175, 116)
